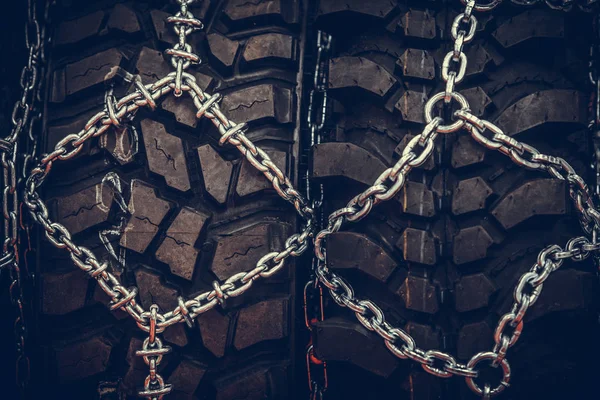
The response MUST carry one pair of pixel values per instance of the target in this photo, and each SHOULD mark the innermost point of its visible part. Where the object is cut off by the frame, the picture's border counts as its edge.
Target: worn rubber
(442, 257)
(199, 211)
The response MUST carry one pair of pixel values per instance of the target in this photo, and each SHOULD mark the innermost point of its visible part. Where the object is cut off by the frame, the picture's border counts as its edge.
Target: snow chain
(389, 183)
(17, 151)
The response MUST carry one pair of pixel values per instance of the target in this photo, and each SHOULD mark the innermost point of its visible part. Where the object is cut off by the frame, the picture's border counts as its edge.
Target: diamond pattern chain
(391, 181)
(116, 111)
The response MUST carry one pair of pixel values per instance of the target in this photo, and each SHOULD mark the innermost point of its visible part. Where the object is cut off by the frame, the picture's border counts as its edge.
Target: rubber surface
(199, 212)
(443, 257)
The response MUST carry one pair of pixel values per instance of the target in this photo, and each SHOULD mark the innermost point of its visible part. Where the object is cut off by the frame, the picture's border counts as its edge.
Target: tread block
(359, 73)
(470, 195)
(267, 320)
(473, 292)
(466, 151)
(177, 249)
(419, 295)
(164, 32)
(337, 339)
(537, 197)
(471, 244)
(216, 172)
(478, 100)
(556, 105)
(418, 246)
(270, 46)
(241, 251)
(186, 376)
(123, 18)
(358, 251)
(147, 212)
(86, 208)
(74, 30)
(416, 63)
(240, 10)
(417, 199)
(473, 338)
(151, 65)
(259, 102)
(411, 106)
(252, 180)
(152, 290)
(565, 290)
(373, 8)
(63, 293)
(82, 359)
(222, 48)
(92, 70)
(345, 159)
(176, 335)
(479, 58)
(418, 24)
(425, 336)
(165, 155)
(528, 25)
(213, 328)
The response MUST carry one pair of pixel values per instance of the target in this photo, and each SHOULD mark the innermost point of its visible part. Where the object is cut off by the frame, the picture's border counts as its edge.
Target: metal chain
(313, 313)
(387, 185)
(152, 352)
(317, 113)
(26, 116)
(116, 111)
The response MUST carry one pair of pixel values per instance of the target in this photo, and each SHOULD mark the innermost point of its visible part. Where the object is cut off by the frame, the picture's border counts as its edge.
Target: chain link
(152, 352)
(17, 150)
(313, 313)
(317, 113)
(387, 185)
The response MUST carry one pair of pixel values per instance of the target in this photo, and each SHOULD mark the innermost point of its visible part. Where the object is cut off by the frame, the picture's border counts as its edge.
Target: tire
(442, 258)
(199, 212)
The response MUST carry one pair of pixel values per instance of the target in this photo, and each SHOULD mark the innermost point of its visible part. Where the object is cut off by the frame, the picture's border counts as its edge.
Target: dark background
(14, 56)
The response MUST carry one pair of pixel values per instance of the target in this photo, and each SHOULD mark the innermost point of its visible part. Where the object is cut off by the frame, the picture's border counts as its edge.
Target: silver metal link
(17, 150)
(530, 284)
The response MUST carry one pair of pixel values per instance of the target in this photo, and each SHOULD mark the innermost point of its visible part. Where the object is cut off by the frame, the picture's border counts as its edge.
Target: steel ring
(456, 125)
(488, 355)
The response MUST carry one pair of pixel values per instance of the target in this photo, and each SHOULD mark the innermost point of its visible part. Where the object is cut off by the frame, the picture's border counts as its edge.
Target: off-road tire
(443, 257)
(199, 212)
